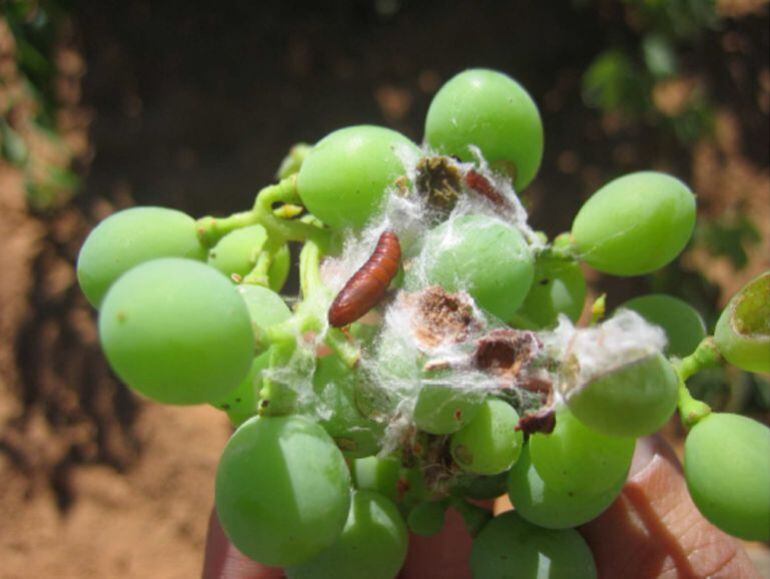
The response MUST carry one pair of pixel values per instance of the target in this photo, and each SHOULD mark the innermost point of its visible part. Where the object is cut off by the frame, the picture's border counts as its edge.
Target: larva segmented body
(369, 284)
(481, 185)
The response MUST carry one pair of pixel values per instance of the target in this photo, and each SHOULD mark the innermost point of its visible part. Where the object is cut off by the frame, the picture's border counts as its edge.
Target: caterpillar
(368, 285)
(481, 185)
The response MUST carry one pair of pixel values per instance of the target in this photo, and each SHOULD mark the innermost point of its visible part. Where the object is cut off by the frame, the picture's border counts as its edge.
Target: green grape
(558, 288)
(404, 486)
(377, 474)
(635, 224)
(373, 544)
(334, 383)
(632, 400)
(546, 506)
(482, 487)
(509, 546)
(397, 365)
(241, 403)
(576, 459)
(743, 331)
(683, 325)
(282, 490)
(279, 269)
(176, 331)
(427, 518)
(266, 308)
(237, 252)
(727, 467)
(344, 179)
(489, 444)
(493, 112)
(443, 409)
(484, 256)
(130, 237)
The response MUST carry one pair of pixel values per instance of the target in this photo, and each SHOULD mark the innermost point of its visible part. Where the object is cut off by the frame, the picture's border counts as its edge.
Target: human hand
(653, 530)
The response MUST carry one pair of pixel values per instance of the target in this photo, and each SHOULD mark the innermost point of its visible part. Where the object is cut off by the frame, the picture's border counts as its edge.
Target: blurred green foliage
(623, 78)
(651, 76)
(29, 137)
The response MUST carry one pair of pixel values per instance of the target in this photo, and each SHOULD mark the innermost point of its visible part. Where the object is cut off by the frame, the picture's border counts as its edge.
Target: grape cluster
(467, 380)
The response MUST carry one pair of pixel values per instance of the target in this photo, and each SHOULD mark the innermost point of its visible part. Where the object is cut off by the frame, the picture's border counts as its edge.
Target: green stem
(296, 230)
(706, 355)
(259, 275)
(563, 247)
(212, 229)
(292, 163)
(310, 316)
(598, 309)
(310, 282)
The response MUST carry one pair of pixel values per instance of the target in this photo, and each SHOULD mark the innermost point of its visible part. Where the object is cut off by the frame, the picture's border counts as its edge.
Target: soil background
(192, 106)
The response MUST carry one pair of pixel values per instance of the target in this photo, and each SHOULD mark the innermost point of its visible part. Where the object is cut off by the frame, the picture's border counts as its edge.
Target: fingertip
(654, 529)
(223, 561)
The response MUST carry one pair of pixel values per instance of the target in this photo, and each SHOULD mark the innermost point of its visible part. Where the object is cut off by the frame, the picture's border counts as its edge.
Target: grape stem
(259, 275)
(212, 229)
(279, 398)
(706, 355)
(563, 247)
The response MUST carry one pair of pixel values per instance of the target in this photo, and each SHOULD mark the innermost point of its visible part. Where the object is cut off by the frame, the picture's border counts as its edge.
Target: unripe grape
(427, 518)
(237, 252)
(727, 467)
(743, 331)
(344, 179)
(483, 256)
(377, 474)
(266, 308)
(493, 112)
(130, 237)
(335, 385)
(373, 544)
(633, 400)
(551, 507)
(177, 331)
(558, 287)
(404, 486)
(241, 403)
(489, 444)
(635, 224)
(482, 487)
(575, 459)
(443, 409)
(683, 325)
(509, 546)
(282, 490)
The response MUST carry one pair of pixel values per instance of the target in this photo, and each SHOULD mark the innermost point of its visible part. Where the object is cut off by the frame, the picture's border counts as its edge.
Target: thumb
(223, 561)
(655, 530)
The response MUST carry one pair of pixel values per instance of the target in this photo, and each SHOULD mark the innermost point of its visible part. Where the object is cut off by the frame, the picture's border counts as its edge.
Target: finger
(442, 556)
(655, 530)
(223, 561)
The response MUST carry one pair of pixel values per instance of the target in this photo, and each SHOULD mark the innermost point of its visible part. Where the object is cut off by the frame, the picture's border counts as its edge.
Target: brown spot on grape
(463, 454)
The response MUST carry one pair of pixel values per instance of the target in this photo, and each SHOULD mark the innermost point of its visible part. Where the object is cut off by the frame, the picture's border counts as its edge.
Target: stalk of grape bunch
(434, 355)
